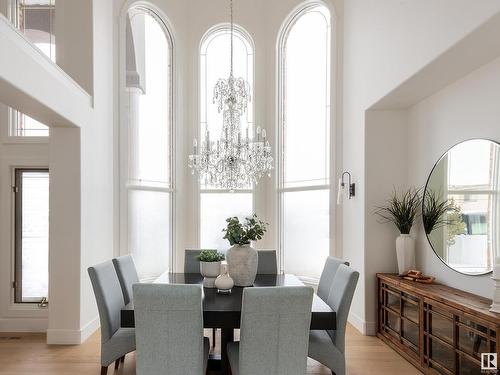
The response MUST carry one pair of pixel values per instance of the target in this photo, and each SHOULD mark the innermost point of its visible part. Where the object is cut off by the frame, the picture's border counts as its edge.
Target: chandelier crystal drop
(236, 160)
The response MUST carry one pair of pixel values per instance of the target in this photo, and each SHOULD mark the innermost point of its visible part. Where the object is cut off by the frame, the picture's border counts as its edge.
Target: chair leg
(104, 370)
(213, 336)
(117, 363)
(123, 359)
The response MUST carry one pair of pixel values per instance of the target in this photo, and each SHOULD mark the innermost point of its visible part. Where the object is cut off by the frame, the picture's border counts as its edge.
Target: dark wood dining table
(224, 310)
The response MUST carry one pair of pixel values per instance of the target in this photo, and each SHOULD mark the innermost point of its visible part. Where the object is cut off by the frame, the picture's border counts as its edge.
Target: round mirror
(461, 207)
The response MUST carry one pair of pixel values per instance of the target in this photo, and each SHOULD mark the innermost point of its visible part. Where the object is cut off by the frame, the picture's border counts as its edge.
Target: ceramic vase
(224, 282)
(405, 252)
(242, 264)
(209, 271)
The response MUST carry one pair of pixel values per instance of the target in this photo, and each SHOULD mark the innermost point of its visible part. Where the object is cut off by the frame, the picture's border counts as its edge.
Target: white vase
(224, 282)
(405, 252)
(242, 264)
(209, 271)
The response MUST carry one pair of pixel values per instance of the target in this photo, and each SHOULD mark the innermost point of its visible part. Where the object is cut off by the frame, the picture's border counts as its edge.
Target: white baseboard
(72, 336)
(366, 328)
(89, 329)
(24, 325)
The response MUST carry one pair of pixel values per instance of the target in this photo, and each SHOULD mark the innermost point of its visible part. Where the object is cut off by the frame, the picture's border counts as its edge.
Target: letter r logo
(488, 361)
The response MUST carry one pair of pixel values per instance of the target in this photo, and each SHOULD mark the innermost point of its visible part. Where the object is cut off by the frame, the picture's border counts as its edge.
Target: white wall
(86, 53)
(466, 109)
(82, 204)
(15, 318)
(384, 43)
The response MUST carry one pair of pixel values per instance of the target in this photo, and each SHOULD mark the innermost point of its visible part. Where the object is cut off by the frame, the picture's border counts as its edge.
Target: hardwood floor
(28, 354)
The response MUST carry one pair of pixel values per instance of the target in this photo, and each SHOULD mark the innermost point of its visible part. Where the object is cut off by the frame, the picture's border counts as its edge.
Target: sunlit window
(31, 189)
(149, 183)
(304, 183)
(216, 205)
(472, 184)
(35, 18)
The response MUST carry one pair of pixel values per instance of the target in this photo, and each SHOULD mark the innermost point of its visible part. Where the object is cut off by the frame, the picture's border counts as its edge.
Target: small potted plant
(210, 261)
(242, 259)
(402, 210)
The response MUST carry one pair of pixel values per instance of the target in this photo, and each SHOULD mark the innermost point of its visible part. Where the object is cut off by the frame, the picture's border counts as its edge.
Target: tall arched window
(216, 205)
(304, 142)
(148, 124)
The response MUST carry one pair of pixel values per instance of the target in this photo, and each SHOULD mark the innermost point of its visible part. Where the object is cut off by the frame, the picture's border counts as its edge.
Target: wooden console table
(440, 330)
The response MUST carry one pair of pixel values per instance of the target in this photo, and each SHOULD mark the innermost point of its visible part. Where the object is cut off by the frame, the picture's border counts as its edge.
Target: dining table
(224, 310)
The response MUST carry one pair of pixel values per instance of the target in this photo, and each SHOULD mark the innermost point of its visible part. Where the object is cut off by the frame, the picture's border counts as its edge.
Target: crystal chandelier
(235, 161)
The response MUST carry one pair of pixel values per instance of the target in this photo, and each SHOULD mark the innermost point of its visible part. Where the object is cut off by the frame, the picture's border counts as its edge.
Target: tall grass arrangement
(435, 210)
(401, 209)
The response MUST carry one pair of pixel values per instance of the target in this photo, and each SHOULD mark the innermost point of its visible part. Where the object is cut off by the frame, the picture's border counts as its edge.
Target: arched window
(216, 205)
(148, 124)
(304, 141)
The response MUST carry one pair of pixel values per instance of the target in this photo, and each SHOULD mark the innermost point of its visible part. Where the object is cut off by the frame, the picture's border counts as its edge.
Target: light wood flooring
(29, 354)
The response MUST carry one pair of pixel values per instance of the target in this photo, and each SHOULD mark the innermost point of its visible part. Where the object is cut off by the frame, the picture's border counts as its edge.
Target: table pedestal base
(219, 364)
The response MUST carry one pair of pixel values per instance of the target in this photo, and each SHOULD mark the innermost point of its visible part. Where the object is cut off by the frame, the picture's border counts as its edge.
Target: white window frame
(281, 76)
(126, 185)
(18, 248)
(11, 114)
(239, 32)
(8, 307)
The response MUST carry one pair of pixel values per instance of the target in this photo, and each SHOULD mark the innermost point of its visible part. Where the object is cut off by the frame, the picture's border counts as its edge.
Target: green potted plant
(402, 210)
(241, 258)
(210, 262)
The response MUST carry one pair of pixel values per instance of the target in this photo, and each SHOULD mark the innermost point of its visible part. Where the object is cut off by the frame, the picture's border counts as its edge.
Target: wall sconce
(351, 187)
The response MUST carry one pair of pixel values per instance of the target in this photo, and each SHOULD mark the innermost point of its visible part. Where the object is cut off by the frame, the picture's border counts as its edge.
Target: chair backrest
(109, 297)
(340, 298)
(191, 264)
(127, 274)
(326, 279)
(168, 329)
(267, 264)
(275, 323)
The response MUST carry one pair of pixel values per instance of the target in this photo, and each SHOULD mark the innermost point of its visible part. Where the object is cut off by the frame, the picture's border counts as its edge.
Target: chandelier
(235, 161)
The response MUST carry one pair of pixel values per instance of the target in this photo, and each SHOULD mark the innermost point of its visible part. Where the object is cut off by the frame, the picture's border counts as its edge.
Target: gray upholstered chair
(192, 265)
(127, 274)
(275, 324)
(115, 341)
(169, 330)
(329, 270)
(267, 264)
(328, 347)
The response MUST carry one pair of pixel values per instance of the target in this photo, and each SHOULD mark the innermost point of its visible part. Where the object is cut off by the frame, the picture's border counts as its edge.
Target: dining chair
(127, 274)
(328, 347)
(329, 270)
(192, 265)
(169, 330)
(275, 324)
(267, 263)
(116, 342)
